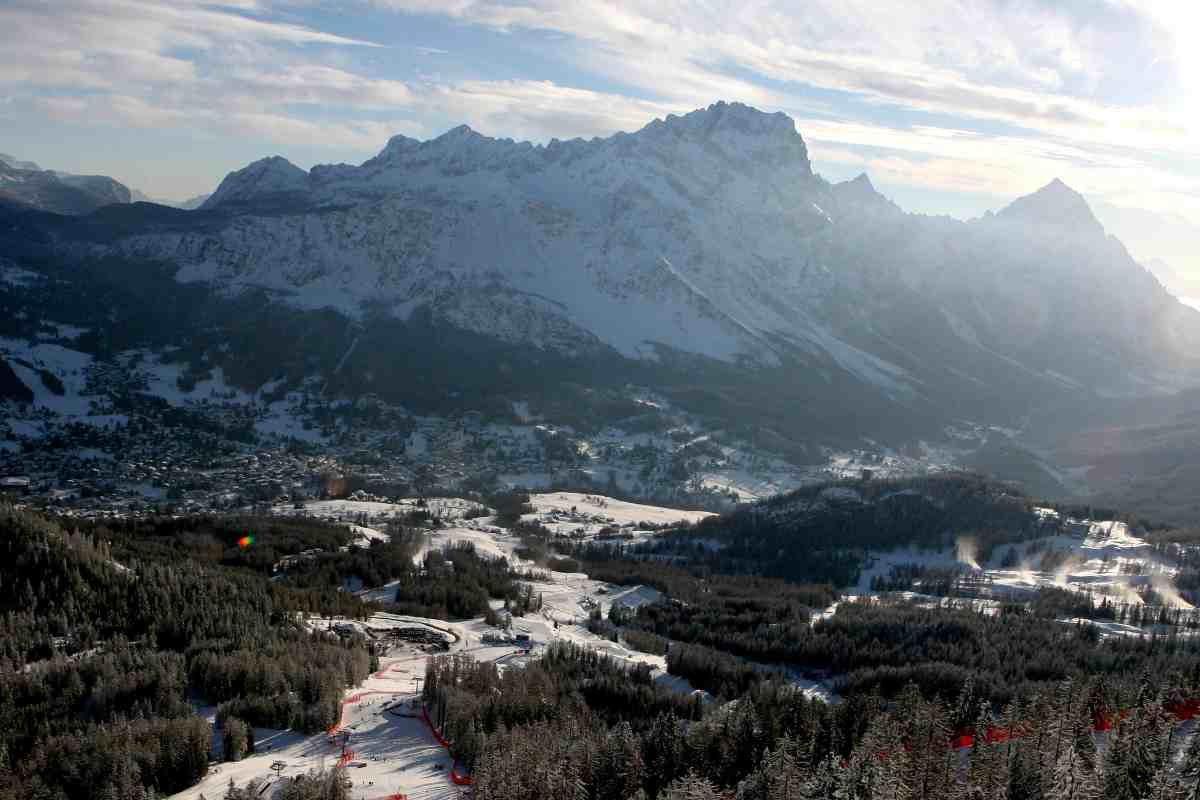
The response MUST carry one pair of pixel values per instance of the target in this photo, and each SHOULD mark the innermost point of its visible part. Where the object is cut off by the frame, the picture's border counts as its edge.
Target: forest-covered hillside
(108, 640)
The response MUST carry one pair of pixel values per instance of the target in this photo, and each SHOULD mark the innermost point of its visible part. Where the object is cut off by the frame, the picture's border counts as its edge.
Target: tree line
(556, 739)
(108, 633)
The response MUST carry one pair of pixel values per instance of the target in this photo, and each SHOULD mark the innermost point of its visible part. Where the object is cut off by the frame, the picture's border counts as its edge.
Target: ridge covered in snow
(706, 234)
(1054, 204)
(27, 184)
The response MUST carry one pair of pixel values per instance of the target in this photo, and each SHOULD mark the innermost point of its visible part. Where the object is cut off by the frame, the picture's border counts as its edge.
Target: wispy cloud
(979, 96)
(1088, 91)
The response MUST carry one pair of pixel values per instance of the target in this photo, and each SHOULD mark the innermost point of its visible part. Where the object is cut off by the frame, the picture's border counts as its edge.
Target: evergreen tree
(1189, 770)
(1074, 777)
(1118, 781)
(238, 739)
(987, 768)
(691, 787)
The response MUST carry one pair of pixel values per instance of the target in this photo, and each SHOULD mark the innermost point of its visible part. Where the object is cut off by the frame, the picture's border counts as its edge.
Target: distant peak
(400, 140)
(733, 115)
(273, 162)
(859, 190)
(460, 132)
(395, 146)
(863, 181)
(742, 130)
(1054, 204)
(271, 177)
(16, 163)
(1059, 192)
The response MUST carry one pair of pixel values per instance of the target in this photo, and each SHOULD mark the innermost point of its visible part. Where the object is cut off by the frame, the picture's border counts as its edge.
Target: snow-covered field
(585, 515)
(564, 513)
(399, 755)
(396, 754)
(1105, 558)
(393, 754)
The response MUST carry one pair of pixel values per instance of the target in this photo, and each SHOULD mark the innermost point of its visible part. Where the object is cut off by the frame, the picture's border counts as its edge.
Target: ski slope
(1105, 559)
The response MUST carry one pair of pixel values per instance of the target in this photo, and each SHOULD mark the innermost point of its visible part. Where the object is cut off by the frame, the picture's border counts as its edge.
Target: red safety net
(456, 777)
(351, 700)
(1102, 721)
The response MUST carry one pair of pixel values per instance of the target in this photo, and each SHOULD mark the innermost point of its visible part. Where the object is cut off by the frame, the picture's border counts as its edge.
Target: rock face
(27, 184)
(1055, 205)
(710, 235)
(16, 163)
(267, 181)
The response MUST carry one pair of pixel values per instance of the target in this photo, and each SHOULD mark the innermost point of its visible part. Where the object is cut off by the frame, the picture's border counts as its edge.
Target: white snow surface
(572, 245)
(398, 754)
(574, 513)
(1106, 560)
(707, 233)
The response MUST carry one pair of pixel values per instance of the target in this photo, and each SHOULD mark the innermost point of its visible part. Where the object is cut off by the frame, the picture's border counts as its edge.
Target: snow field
(398, 754)
(392, 754)
(1105, 559)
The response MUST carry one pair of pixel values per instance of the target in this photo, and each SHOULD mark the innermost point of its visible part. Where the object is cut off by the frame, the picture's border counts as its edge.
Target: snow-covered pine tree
(863, 773)
(1189, 770)
(986, 776)
(893, 760)
(786, 774)
(1054, 731)
(821, 785)
(1167, 786)
(1116, 779)
(691, 787)
(1151, 752)
(930, 755)
(1074, 774)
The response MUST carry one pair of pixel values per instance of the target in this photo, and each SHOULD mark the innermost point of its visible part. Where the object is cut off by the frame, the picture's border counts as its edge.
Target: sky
(951, 106)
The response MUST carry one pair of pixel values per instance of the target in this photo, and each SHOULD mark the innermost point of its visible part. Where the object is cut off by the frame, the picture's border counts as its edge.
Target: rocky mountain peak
(17, 163)
(1055, 204)
(25, 183)
(859, 190)
(396, 146)
(739, 130)
(270, 179)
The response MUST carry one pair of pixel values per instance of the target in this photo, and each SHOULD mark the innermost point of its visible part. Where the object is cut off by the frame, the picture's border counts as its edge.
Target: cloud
(315, 84)
(1080, 89)
(983, 96)
(882, 48)
(207, 67)
(540, 110)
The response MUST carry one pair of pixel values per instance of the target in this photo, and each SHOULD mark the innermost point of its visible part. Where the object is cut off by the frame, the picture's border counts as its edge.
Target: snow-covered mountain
(16, 163)
(27, 184)
(705, 235)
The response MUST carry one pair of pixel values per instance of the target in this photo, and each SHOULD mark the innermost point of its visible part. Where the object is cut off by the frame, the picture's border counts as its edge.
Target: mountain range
(27, 184)
(702, 255)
